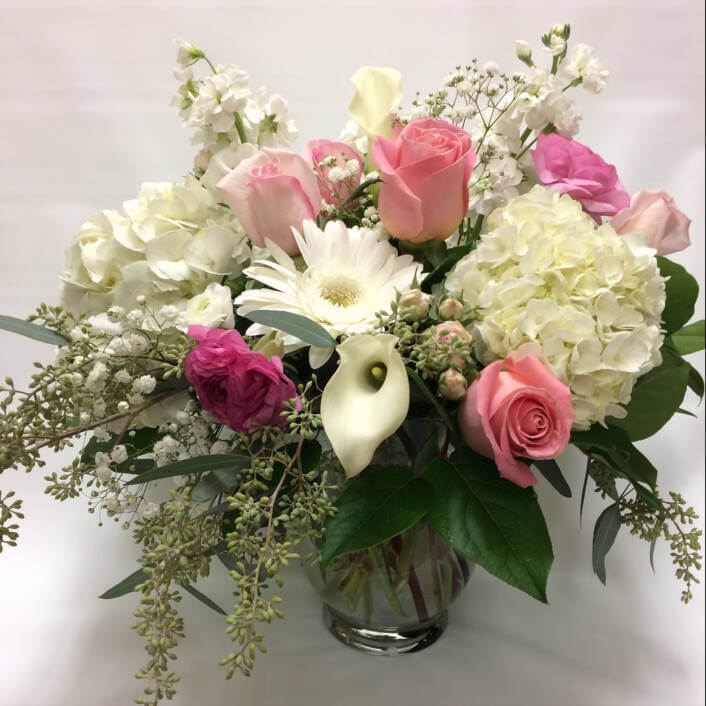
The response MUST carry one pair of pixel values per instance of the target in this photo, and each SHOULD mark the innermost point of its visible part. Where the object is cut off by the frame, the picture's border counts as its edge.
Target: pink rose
(516, 407)
(241, 388)
(571, 168)
(335, 191)
(656, 216)
(270, 193)
(425, 173)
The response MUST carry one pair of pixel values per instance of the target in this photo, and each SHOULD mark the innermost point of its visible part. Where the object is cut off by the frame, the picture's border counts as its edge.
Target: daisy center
(343, 291)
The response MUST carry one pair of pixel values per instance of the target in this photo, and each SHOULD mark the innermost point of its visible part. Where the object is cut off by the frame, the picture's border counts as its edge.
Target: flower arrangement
(364, 353)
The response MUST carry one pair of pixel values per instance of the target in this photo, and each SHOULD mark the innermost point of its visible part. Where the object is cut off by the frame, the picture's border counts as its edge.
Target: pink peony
(425, 173)
(517, 407)
(571, 168)
(656, 216)
(270, 193)
(333, 192)
(241, 388)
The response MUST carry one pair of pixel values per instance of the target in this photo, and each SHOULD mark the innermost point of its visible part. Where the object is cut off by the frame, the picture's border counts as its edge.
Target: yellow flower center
(341, 292)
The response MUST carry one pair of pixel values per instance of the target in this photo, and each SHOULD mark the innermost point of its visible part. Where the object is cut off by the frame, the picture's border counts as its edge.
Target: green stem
(523, 151)
(387, 587)
(240, 127)
(434, 402)
(555, 63)
(404, 563)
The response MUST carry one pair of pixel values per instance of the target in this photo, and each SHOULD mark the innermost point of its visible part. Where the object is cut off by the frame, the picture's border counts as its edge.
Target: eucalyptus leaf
(299, 326)
(189, 588)
(491, 521)
(127, 585)
(191, 466)
(214, 483)
(682, 291)
(604, 534)
(551, 471)
(374, 506)
(34, 331)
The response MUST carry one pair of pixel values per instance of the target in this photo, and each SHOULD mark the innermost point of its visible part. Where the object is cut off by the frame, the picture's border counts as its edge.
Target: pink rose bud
(271, 193)
(414, 305)
(452, 384)
(517, 408)
(425, 173)
(449, 329)
(450, 309)
(338, 180)
(571, 168)
(656, 216)
(241, 388)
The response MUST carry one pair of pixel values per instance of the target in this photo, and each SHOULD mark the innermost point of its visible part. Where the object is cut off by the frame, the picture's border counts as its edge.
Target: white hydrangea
(583, 63)
(588, 299)
(174, 240)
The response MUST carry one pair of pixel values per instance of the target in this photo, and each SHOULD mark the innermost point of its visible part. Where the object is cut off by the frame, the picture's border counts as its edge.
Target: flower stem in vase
(434, 568)
(387, 587)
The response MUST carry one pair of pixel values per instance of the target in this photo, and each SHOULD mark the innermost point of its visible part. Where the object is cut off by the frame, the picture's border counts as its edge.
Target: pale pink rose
(571, 168)
(656, 216)
(333, 192)
(270, 193)
(425, 173)
(239, 387)
(516, 408)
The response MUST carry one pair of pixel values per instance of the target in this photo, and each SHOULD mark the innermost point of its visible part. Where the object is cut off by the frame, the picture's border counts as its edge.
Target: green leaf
(583, 489)
(190, 466)
(375, 506)
(682, 291)
(695, 381)
(690, 339)
(300, 326)
(127, 585)
(614, 447)
(359, 190)
(428, 452)
(432, 399)
(214, 483)
(137, 442)
(687, 412)
(604, 534)
(204, 599)
(551, 471)
(491, 521)
(653, 544)
(655, 398)
(34, 331)
(453, 255)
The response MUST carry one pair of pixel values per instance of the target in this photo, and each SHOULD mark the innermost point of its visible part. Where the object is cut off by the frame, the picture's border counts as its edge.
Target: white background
(84, 118)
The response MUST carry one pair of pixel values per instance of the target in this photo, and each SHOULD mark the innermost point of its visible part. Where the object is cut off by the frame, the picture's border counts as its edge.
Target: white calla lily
(366, 400)
(378, 91)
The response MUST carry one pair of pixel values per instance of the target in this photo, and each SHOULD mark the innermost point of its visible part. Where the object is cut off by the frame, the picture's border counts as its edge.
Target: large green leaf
(604, 534)
(492, 521)
(34, 331)
(190, 466)
(682, 291)
(655, 398)
(689, 339)
(127, 585)
(373, 507)
(300, 326)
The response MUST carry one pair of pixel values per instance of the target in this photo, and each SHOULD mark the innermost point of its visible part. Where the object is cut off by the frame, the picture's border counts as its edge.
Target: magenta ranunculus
(517, 408)
(239, 387)
(425, 173)
(656, 216)
(270, 193)
(571, 168)
(335, 192)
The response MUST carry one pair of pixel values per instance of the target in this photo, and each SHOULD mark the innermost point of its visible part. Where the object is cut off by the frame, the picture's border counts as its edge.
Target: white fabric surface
(85, 118)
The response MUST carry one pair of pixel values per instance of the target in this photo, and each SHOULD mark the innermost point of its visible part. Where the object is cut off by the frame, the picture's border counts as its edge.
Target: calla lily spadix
(378, 91)
(366, 400)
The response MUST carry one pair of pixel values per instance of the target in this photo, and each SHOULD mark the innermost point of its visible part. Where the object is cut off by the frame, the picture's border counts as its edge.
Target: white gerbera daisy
(350, 275)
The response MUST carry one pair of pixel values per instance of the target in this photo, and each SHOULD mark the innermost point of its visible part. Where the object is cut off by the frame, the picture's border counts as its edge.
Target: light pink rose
(239, 387)
(656, 216)
(316, 151)
(270, 193)
(571, 168)
(425, 173)
(516, 408)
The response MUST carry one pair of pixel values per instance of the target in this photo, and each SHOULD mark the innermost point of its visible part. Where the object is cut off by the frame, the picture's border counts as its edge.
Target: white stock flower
(583, 63)
(349, 275)
(220, 96)
(588, 299)
(495, 186)
(366, 400)
(212, 308)
(267, 120)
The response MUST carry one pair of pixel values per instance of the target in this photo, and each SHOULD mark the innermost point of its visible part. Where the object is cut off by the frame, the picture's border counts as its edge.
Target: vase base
(385, 641)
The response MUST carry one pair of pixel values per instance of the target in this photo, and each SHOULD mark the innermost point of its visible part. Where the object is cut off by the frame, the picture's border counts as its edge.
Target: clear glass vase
(393, 598)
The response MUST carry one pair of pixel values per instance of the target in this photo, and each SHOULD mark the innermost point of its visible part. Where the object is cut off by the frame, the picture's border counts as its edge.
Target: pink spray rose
(333, 191)
(425, 173)
(241, 388)
(270, 193)
(656, 216)
(516, 407)
(571, 168)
